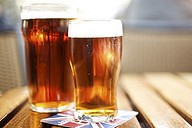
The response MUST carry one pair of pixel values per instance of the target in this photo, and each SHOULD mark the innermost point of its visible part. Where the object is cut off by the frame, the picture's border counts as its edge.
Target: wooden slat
(174, 91)
(153, 108)
(123, 103)
(25, 118)
(187, 77)
(12, 99)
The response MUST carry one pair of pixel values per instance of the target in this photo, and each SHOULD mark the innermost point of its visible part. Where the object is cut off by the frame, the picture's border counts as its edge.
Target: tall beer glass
(45, 32)
(96, 50)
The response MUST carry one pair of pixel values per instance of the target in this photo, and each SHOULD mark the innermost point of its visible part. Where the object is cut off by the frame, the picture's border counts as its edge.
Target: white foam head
(33, 9)
(95, 28)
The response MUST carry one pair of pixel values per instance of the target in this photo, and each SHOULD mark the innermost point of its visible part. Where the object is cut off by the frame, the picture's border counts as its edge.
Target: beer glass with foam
(45, 33)
(96, 52)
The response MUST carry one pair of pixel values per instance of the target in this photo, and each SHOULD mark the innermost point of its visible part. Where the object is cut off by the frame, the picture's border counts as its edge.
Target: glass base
(93, 119)
(51, 109)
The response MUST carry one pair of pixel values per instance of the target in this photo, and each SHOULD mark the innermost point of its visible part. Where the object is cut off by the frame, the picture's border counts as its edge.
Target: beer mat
(66, 119)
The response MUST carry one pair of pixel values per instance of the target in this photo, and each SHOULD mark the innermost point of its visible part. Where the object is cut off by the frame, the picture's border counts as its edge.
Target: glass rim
(31, 2)
(95, 20)
(81, 28)
(44, 10)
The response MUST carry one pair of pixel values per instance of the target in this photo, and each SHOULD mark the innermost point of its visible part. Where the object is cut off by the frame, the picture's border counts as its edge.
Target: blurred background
(157, 35)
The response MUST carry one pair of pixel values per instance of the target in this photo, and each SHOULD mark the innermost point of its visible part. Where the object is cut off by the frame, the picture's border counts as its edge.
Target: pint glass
(96, 51)
(49, 76)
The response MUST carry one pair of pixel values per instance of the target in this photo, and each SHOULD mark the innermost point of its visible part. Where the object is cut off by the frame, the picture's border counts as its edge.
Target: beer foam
(95, 28)
(49, 9)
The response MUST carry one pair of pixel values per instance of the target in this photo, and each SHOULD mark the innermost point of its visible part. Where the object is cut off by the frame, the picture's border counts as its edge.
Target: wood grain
(155, 111)
(123, 103)
(25, 118)
(162, 99)
(187, 77)
(174, 91)
(11, 99)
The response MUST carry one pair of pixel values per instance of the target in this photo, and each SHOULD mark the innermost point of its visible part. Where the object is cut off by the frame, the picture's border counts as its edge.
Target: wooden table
(163, 100)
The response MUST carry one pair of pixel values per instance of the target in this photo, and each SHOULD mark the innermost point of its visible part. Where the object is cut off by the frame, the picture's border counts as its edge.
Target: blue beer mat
(66, 119)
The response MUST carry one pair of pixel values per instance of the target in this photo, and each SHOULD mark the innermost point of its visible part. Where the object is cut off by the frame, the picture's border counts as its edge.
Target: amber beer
(96, 50)
(50, 81)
